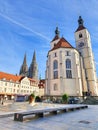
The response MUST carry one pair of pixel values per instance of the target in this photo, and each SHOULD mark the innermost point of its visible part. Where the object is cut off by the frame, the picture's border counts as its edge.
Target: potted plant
(64, 98)
(31, 98)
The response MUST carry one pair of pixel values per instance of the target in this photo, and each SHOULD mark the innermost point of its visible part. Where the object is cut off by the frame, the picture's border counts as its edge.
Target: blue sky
(28, 25)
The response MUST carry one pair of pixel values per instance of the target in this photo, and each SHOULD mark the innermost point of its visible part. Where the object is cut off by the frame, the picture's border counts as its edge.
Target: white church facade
(71, 70)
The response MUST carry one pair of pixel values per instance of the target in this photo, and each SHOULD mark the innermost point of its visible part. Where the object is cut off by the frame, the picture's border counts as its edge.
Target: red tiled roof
(80, 28)
(33, 80)
(10, 77)
(13, 77)
(62, 44)
(55, 38)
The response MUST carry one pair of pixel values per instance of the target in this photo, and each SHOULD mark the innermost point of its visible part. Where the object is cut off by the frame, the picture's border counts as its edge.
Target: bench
(41, 113)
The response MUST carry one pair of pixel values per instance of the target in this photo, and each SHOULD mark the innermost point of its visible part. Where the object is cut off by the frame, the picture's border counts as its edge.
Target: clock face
(81, 44)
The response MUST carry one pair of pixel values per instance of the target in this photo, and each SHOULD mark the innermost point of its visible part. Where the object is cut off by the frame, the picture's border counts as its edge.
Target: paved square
(85, 119)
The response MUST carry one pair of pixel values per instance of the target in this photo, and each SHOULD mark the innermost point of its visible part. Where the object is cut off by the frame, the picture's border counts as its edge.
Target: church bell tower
(83, 45)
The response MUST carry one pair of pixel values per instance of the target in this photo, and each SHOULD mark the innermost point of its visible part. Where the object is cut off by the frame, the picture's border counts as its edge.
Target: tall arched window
(55, 69)
(55, 64)
(68, 68)
(68, 63)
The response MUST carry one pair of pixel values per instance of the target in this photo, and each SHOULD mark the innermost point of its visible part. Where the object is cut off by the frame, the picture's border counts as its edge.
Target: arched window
(68, 68)
(55, 64)
(55, 69)
(68, 63)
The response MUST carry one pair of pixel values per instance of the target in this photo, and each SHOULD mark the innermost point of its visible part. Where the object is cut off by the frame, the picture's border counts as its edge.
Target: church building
(71, 70)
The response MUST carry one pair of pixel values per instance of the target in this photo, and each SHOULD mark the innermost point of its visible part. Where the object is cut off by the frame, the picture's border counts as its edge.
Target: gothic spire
(34, 57)
(33, 69)
(24, 61)
(24, 67)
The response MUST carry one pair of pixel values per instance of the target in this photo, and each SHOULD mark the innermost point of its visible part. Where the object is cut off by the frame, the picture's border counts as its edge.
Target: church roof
(9, 77)
(32, 80)
(55, 38)
(80, 28)
(62, 44)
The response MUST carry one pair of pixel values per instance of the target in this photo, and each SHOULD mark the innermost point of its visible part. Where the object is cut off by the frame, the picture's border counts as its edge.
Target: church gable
(62, 44)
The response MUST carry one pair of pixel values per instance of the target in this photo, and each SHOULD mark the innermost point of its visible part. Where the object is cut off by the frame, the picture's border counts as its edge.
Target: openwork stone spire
(33, 69)
(24, 67)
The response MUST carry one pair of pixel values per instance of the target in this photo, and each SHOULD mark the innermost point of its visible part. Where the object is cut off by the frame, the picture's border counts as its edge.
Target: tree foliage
(64, 98)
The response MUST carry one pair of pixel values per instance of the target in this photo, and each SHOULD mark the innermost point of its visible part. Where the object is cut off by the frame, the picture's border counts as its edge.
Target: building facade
(71, 70)
(14, 86)
(41, 87)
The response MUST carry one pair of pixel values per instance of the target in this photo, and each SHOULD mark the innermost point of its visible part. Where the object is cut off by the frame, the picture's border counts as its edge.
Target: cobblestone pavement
(85, 119)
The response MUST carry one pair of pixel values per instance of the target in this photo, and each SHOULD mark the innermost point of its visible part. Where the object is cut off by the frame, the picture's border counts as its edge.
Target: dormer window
(80, 35)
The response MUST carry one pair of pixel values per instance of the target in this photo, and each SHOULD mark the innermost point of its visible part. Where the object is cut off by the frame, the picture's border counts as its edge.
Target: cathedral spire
(34, 57)
(24, 67)
(25, 61)
(33, 69)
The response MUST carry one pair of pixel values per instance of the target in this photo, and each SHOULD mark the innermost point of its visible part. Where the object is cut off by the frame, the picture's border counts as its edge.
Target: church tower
(83, 45)
(24, 67)
(33, 69)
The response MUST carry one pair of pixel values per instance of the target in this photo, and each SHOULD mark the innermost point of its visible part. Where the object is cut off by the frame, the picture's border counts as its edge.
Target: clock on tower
(81, 44)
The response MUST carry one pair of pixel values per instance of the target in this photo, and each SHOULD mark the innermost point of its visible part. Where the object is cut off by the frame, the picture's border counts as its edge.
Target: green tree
(64, 98)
